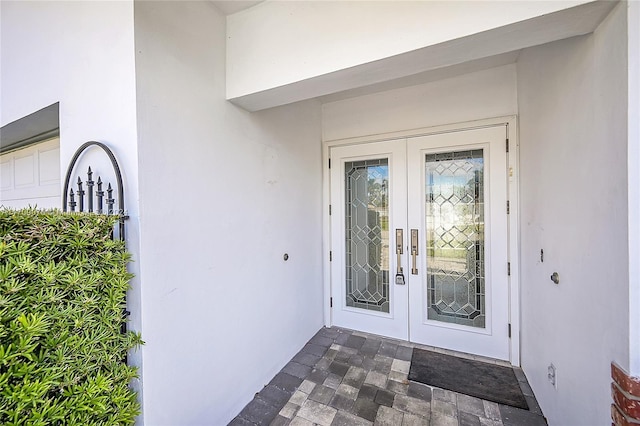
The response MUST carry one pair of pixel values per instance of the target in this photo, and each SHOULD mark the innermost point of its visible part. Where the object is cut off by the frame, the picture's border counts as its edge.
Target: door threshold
(411, 344)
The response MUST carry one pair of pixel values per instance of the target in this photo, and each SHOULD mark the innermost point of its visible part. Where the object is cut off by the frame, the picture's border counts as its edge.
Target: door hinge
(509, 268)
(331, 306)
(329, 209)
(330, 256)
(508, 207)
(329, 162)
(507, 144)
(509, 330)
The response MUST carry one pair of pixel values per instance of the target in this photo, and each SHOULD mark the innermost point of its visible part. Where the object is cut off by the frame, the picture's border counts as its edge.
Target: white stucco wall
(573, 172)
(80, 54)
(483, 94)
(226, 194)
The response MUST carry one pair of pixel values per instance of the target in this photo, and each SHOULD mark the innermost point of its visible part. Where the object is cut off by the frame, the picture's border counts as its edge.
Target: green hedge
(63, 282)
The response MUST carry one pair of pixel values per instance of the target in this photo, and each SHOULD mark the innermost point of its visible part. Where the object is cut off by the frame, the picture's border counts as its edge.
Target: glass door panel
(367, 234)
(455, 237)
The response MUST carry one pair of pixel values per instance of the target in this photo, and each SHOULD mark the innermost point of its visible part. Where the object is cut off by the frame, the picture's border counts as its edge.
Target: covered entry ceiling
(281, 74)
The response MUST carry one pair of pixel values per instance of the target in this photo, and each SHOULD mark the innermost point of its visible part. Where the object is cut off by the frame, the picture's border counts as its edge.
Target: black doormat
(480, 379)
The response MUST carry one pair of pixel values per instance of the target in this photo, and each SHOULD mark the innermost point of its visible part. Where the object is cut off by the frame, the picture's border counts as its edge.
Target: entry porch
(346, 377)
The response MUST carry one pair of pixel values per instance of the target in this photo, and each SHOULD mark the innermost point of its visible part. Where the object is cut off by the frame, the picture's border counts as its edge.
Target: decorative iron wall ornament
(71, 200)
(78, 199)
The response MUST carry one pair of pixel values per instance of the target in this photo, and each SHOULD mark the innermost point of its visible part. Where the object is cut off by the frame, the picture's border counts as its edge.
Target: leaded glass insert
(367, 234)
(455, 237)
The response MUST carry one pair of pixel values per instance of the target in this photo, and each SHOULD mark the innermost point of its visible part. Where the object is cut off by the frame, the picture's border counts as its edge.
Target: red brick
(628, 405)
(630, 385)
(619, 419)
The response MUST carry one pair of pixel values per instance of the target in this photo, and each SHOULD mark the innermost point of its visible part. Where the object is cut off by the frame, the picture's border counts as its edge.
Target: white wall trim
(513, 192)
(633, 153)
(326, 234)
(421, 131)
(514, 237)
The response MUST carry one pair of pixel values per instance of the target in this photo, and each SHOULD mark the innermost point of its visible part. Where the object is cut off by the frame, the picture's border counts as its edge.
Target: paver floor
(345, 377)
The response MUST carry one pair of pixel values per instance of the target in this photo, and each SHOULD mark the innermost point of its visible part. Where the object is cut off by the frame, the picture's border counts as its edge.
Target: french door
(419, 240)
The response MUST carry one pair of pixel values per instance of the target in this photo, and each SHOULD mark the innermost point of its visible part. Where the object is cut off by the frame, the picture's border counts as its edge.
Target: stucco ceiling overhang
(467, 54)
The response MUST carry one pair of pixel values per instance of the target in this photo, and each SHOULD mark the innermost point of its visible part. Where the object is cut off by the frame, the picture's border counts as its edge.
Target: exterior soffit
(479, 51)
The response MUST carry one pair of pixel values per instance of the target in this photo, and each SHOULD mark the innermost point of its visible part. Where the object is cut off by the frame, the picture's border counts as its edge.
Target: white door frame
(512, 193)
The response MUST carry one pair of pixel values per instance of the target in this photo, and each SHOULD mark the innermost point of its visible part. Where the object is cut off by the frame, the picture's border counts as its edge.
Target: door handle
(414, 251)
(399, 251)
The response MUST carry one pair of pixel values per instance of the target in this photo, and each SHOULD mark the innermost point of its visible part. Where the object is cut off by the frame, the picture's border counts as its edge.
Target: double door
(419, 240)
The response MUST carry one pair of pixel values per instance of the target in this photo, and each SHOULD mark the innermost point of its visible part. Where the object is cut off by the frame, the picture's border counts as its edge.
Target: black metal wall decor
(71, 200)
(78, 199)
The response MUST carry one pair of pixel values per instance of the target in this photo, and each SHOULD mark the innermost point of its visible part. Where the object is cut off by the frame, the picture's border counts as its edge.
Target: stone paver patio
(344, 377)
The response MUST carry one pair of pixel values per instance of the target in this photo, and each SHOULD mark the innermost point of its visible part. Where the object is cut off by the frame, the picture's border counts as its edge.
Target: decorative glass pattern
(367, 234)
(455, 237)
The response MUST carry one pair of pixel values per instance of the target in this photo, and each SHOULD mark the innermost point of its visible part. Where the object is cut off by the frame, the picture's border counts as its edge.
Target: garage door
(31, 176)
